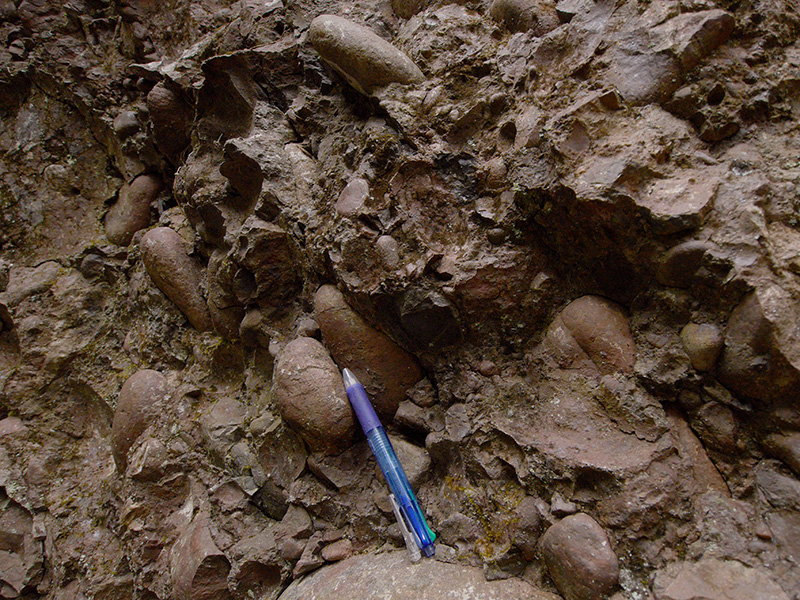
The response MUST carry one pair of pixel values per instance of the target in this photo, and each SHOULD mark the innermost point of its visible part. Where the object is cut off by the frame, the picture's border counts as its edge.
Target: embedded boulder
(131, 211)
(139, 401)
(383, 367)
(364, 59)
(310, 395)
(166, 258)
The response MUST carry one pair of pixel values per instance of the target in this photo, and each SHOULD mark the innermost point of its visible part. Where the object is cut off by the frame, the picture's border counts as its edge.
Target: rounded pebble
(139, 401)
(366, 60)
(536, 16)
(579, 558)
(131, 212)
(310, 395)
(702, 343)
(352, 197)
(168, 263)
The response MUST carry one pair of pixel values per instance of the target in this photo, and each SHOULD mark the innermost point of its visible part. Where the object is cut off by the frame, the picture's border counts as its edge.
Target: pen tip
(349, 378)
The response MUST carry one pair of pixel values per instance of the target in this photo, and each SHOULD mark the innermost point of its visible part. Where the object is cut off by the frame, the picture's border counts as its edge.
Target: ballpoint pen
(404, 502)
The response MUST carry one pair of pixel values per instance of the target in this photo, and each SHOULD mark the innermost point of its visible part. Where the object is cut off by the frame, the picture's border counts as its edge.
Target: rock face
(167, 262)
(385, 369)
(392, 574)
(140, 399)
(310, 394)
(567, 235)
(131, 212)
(367, 61)
(580, 559)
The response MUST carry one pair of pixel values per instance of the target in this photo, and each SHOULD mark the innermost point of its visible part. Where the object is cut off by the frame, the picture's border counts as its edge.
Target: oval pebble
(139, 401)
(366, 60)
(169, 265)
(131, 211)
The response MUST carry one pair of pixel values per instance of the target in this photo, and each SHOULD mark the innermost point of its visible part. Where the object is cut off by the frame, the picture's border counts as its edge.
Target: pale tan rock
(703, 343)
(364, 59)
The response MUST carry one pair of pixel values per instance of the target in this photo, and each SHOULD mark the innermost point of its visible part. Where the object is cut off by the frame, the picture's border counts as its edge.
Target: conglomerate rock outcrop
(559, 241)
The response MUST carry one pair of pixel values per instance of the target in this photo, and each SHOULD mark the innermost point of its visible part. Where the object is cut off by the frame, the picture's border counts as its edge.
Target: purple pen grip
(363, 407)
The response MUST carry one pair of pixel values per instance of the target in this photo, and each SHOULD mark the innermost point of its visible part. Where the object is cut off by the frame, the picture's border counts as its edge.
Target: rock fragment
(171, 119)
(786, 448)
(352, 197)
(537, 16)
(310, 394)
(131, 211)
(139, 401)
(405, 9)
(385, 369)
(702, 343)
(392, 575)
(168, 263)
(714, 579)
(365, 60)
(593, 327)
(579, 558)
(199, 568)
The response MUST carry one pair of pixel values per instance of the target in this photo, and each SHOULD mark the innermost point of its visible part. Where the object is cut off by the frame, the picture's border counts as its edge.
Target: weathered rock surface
(364, 59)
(392, 574)
(131, 211)
(537, 16)
(383, 367)
(140, 400)
(580, 559)
(166, 258)
(717, 580)
(310, 394)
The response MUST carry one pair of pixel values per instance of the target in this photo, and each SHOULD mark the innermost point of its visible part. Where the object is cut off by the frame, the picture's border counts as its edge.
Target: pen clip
(413, 550)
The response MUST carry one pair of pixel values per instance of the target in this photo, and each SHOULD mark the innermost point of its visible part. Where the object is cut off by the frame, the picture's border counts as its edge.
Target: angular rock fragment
(365, 60)
(270, 273)
(310, 395)
(678, 204)
(140, 399)
(429, 319)
(579, 558)
(225, 309)
(537, 16)
(199, 569)
(596, 328)
(680, 263)
(385, 369)
(691, 36)
(392, 575)
(166, 258)
(702, 343)
(131, 211)
(761, 358)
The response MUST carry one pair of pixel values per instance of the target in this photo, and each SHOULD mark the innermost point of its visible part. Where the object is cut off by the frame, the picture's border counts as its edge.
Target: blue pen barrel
(398, 484)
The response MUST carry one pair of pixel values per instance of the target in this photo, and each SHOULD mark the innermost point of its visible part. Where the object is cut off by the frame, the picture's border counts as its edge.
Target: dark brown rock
(365, 60)
(383, 367)
(785, 448)
(680, 263)
(139, 401)
(537, 16)
(166, 258)
(171, 118)
(309, 391)
(579, 558)
(131, 211)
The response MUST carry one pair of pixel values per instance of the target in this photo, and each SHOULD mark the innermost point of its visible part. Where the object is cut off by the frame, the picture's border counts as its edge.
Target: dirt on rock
(561, 238)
